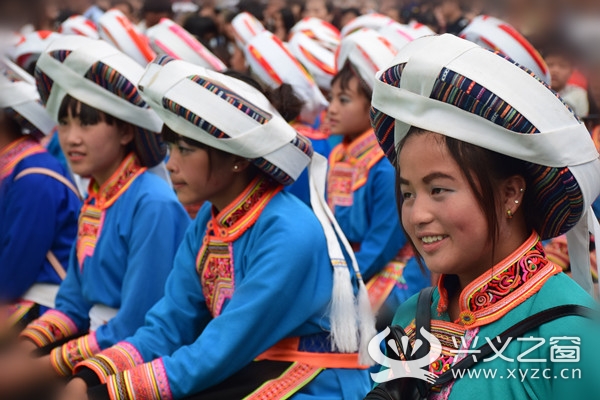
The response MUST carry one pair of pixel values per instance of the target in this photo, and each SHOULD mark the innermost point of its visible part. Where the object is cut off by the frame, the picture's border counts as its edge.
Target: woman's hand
(76, 389)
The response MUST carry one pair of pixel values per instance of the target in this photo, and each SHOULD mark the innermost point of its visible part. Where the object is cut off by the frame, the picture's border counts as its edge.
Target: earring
(236, 167)
(516, 201)
(509, 214)
(521, 190)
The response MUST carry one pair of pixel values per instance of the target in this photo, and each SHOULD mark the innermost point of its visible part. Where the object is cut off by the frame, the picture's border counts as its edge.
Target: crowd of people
(276, 199)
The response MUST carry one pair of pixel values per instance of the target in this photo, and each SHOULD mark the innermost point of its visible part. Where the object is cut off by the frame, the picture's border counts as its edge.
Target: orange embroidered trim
(15, 152)
(293, 379)
(514, 280)
(349, 166)
(287, 350)
(305, 130)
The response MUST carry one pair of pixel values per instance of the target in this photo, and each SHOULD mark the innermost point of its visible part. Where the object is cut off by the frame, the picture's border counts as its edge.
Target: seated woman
(39, 204)
(484, 175)
(246, 311)
(131, 222)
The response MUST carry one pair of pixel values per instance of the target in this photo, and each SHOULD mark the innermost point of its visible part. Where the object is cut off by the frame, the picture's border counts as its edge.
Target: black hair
(345, 75)
(483, 169)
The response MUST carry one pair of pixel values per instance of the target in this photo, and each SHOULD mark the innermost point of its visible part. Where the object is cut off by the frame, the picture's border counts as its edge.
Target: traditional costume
(361, 191)
(38, 203)
(455, 88)
(129, 227)
(246, 310)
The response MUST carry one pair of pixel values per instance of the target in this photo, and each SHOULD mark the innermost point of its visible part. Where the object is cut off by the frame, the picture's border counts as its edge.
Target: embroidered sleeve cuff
(65, 357)
(49, 328)
(118, 358)
(145, 382)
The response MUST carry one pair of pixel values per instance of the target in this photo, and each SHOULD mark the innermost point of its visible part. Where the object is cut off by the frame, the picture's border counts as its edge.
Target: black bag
(417, 389)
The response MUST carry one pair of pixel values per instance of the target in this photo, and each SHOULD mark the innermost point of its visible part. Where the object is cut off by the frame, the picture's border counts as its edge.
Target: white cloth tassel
(343, 312)
(366, 324)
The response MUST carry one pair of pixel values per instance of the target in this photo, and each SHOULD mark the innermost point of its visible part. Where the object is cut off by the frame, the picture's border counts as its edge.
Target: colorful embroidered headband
(169, 38)
(99, 75)
(273, 64)
(117, 30)
(320, 31)
(245, 27)
(318, 60)
(367, 51)
(20, 98)
(496, 35)
(451, 86)
(31, 46)
(79, 25)
(372, 21)
(230, 115)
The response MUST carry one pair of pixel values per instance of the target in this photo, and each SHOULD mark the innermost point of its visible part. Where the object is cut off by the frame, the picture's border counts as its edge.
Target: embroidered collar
(117, 184)
(12, 154)
(354, 151)
(502, 288)
(308, 131)
(243, 212)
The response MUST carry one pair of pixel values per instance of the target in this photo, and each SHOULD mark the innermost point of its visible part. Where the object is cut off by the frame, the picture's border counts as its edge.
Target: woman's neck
(232, 192)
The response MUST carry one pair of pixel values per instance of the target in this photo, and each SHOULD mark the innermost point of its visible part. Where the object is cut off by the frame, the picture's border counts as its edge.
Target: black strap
(517, 330)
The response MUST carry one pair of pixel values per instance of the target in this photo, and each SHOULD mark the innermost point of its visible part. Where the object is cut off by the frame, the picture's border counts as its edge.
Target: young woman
(131, 222)
(360, 186)
(246, 308)
(39, 204)
(484, 174)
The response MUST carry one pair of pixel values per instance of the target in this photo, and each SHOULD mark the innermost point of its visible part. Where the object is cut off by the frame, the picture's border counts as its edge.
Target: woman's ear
(240, 164)
(512, 192)
(127, 134)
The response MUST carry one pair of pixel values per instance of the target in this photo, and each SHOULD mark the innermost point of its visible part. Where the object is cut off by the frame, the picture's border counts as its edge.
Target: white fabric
(79, 25)
(23, 97)
(247, 139)
(116, 29)
(371, 21)
(273, 64)
(169, 38)
(562, 141)
(68, 78)
(32, 45)
(321, 31)
(495, 34)
(399, 34)
(245, 27)
(317, 59)
(100, 314)
(367, 51)
(43, 294)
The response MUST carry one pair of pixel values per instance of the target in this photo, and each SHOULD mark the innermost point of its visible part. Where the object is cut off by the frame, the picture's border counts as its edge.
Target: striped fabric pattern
(146, 382)
(49, 328)
(149, 146)
(115, 359)
(65, 357)
(242, 105)
(556, 190)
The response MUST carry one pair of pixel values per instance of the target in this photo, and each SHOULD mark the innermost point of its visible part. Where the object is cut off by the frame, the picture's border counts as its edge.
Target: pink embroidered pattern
(115, 359)
(65, 357)
(49, 328)
(17, 151)
(217, 274)
(145, 382)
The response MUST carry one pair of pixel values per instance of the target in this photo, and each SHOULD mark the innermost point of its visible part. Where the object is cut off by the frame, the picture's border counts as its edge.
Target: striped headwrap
(320, 31)
(367, 52)
(318, 60)
(453, 87)
(116, 29)
(245, 26)
(273, 64)
(31, 46)
(97, 74)
(79, 25)
(171, 39)
(232, 116)
(20, 99)
(496, 35)
(372, 21)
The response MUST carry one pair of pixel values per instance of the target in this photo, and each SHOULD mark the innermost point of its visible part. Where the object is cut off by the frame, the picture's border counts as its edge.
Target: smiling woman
(479, 188)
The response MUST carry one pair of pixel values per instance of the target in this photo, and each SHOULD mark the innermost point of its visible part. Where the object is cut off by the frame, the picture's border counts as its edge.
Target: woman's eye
(184, 150)
(406, 195)
(437, 190)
